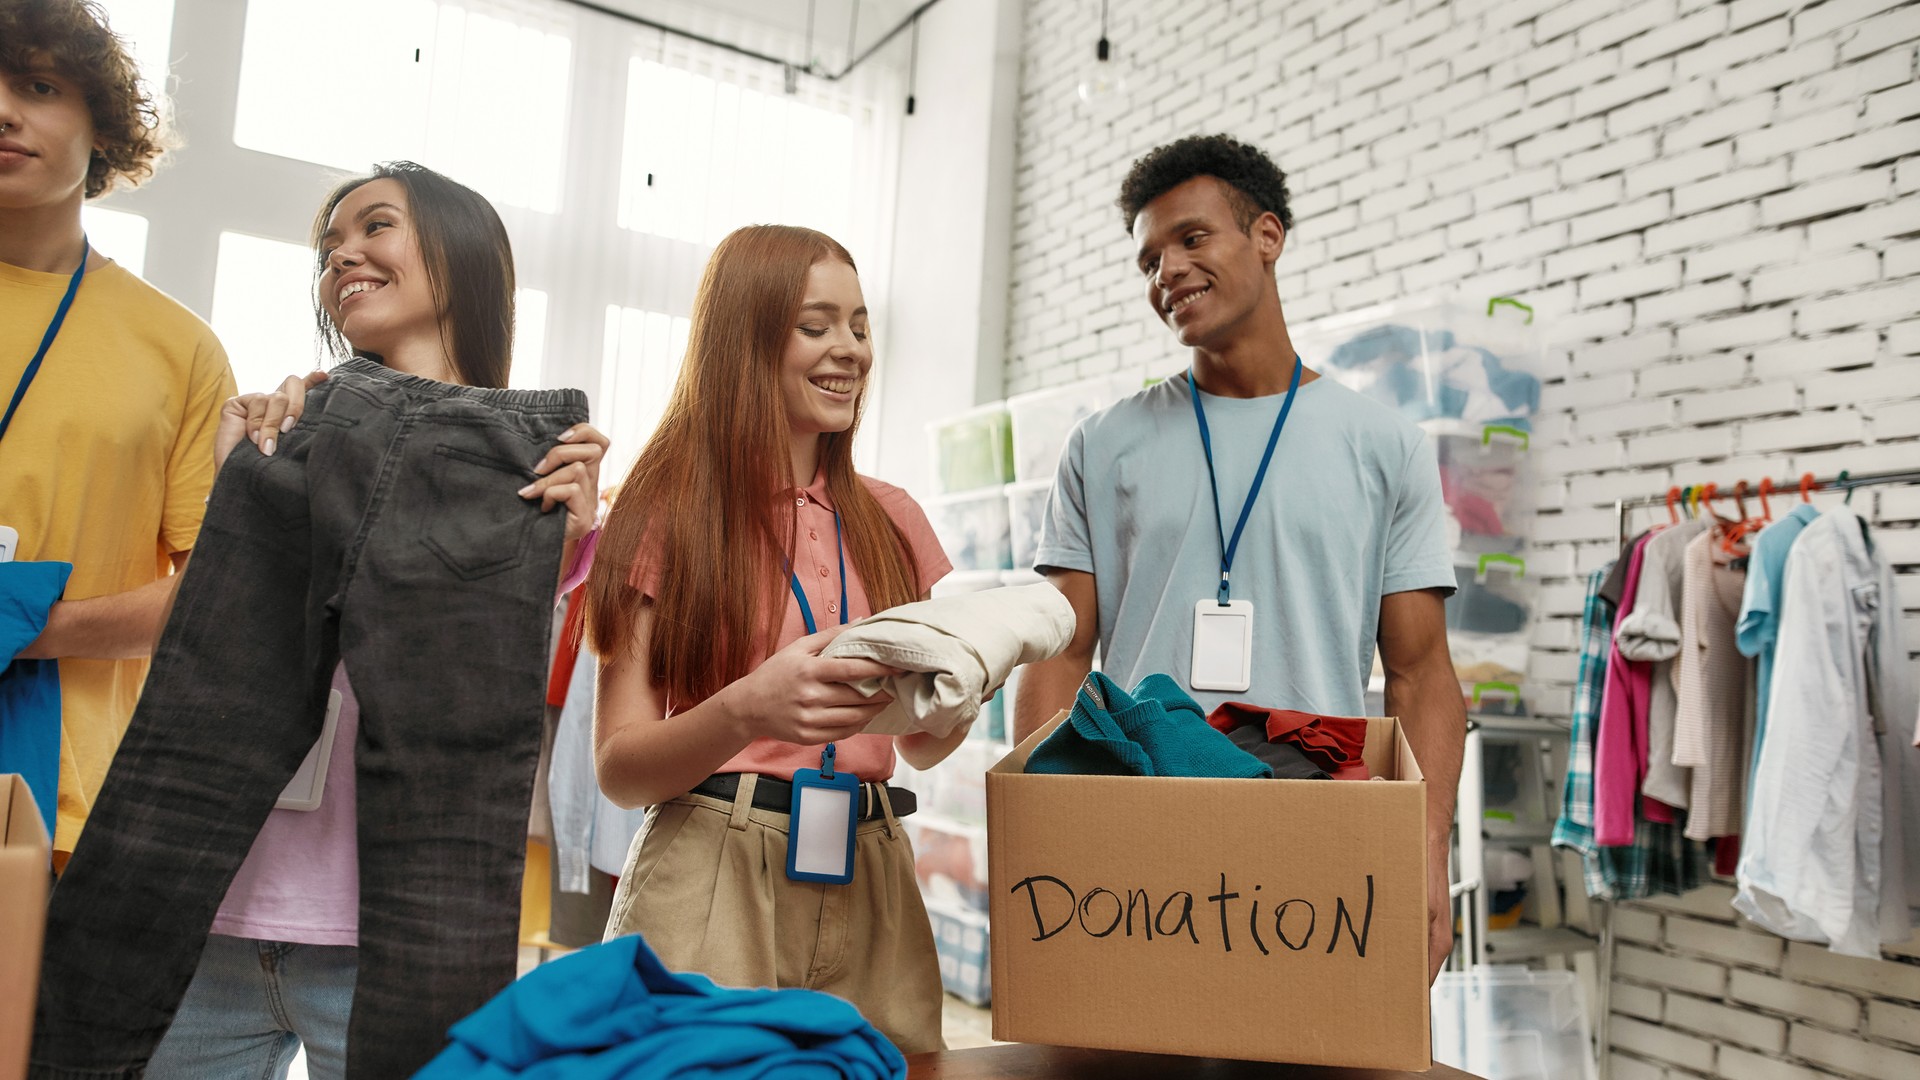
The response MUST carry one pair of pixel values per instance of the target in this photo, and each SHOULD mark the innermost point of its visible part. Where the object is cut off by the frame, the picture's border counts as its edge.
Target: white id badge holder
(1223, 645)
(310, 781)
(826, 805)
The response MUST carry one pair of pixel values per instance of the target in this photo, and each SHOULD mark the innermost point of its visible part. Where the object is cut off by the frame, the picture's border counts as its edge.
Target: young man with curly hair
(112, 390)
(1246, 497)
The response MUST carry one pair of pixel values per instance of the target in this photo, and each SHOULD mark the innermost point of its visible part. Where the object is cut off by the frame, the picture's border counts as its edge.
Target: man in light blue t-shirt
(1343, 546)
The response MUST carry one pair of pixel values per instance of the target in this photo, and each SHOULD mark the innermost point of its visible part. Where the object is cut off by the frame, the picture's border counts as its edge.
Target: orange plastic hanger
(1766, 489)
(1806, 487)
(1673, 497)
(1737, 531)
(1706, 499)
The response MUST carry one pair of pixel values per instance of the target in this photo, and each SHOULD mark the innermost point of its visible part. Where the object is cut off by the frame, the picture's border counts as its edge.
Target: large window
(118, 235)
(263, 310)
(529, 339)
(641, 361)
(147, 28)
(477, 90)
(703, 157)
(616, 156)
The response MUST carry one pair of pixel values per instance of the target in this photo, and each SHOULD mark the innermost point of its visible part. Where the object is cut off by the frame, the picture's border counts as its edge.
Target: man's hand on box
(1439, 913)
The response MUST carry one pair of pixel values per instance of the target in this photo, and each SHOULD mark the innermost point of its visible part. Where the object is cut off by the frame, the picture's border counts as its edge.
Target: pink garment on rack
(1620, 744)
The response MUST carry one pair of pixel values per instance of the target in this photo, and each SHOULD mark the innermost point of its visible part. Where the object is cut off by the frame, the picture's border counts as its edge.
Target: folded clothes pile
(613, 1011)
(1299, 746)
(1157, 730)
(1428, 375)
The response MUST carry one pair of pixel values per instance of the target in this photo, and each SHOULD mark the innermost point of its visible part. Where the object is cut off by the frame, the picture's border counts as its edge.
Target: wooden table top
(1025, 1062)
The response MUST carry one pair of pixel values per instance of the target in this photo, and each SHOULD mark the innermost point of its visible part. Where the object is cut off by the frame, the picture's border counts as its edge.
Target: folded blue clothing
(614, 1011)
(30, 689)
(1431, 374)
(1155, 731)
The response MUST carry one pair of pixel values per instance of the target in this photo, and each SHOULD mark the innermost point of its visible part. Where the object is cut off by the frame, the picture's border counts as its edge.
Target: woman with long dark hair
(412, 270)
(740, 544)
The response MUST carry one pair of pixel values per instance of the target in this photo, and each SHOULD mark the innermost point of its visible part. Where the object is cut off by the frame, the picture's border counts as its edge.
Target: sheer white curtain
(617, 156)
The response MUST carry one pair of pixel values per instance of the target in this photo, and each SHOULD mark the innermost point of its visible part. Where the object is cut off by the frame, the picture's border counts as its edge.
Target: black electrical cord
(808, 68)
(913, 63)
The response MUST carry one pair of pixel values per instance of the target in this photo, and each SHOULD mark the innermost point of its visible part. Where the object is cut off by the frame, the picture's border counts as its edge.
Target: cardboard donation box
(1273, 920)
(25, 876)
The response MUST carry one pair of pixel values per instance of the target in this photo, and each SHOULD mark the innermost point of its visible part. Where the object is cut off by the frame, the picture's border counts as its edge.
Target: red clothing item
(1656, 811)
(1335, 743)
(561, 675)
(1476, 513)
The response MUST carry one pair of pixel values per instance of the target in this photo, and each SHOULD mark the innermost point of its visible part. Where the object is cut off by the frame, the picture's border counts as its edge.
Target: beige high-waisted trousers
(706, 884)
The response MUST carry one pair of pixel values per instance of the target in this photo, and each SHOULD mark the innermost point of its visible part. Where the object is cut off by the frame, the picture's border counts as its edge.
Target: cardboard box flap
(21, 815)
(26, 874)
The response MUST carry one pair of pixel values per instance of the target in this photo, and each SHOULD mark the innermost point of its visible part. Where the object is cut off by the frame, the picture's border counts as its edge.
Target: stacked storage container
(993, 470)
(1469, 376)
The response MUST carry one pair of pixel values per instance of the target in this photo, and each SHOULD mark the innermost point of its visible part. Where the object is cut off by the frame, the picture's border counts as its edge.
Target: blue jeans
(252, 1004)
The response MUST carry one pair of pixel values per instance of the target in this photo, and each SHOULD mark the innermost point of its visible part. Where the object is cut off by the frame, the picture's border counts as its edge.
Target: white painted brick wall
(1714, 206)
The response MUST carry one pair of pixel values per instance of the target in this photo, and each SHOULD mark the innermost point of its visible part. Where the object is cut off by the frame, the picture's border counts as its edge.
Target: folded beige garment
(955, 651)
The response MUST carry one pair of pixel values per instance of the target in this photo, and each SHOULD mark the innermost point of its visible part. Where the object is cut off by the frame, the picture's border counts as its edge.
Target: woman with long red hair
(741, 543)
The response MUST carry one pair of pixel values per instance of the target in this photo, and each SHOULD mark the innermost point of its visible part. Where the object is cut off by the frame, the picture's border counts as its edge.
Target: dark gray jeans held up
(385, 531)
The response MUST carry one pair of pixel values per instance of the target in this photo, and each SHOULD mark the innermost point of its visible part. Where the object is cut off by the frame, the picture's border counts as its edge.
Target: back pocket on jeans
(476, 522)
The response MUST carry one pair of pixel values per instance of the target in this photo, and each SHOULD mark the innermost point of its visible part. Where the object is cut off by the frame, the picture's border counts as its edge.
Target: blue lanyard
(806, 609)
(46, 340)
(1228, 547)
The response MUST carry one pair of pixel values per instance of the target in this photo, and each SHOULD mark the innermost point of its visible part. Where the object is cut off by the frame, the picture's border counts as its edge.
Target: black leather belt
(777, 795)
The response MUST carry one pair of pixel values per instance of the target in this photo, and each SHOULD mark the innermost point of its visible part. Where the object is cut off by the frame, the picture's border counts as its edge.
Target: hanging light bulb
(1103, 81)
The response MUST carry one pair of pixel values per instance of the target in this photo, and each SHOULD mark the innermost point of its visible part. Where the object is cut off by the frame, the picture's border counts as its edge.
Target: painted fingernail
(526, 491)
(566, 435)
(287, 424)
(267, 447)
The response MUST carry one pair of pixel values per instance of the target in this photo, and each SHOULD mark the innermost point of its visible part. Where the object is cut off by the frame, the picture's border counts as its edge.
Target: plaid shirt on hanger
(1574, 830)
(1660, 860)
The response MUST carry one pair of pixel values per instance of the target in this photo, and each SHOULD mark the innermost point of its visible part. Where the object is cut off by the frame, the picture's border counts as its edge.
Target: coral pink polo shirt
(816, 563)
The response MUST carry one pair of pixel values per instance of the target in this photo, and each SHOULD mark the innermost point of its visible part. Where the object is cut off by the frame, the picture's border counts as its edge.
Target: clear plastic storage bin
(950, 859)
(973, 450)
(1508, 1023)
(973, 528)
(961, 940)
(1489, 620)
(1043, 419)
(960, 782)
(1433, 360)
(1487, 478)
(1026, 509)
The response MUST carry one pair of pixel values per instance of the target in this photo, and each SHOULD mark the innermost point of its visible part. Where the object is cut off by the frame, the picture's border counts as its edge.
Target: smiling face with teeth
(1205, 275)
(823, 368)
(373, 282)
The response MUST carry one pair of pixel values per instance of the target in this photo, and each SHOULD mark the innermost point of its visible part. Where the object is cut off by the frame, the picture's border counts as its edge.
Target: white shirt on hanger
(1825, 857)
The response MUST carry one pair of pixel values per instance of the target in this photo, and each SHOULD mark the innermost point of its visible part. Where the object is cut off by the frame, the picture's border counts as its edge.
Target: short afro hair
(70, 38)
(1255, 185)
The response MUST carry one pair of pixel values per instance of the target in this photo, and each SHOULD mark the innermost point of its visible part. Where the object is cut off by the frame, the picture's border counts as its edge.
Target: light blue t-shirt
(1351, 511)
(1759, 625)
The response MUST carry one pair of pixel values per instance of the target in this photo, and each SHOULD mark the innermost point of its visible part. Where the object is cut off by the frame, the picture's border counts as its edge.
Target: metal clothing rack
(1783, 489)
(1621, 508)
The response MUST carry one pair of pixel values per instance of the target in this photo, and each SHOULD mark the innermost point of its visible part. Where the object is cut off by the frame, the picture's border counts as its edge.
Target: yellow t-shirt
(107, 466)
